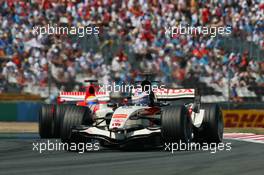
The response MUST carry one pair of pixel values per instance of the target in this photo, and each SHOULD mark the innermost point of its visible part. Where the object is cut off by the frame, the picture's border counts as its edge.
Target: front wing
(117, 138)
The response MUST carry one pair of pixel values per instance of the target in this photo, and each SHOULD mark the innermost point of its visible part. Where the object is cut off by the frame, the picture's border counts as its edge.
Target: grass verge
(18, 127)
(244, 130)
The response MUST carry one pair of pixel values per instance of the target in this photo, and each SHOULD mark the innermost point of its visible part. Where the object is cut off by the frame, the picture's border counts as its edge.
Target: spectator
(140, 28)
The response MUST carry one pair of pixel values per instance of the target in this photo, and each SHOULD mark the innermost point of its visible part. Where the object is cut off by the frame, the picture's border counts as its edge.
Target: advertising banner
(243, 118)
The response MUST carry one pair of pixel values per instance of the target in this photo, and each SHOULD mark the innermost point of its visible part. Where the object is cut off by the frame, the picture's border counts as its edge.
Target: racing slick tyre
(176, 124)
(74, 116)
(58, 119)
(46, 124)
(211, 130)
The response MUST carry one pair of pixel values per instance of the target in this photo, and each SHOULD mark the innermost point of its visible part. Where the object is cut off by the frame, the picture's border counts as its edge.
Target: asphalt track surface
(17, 157)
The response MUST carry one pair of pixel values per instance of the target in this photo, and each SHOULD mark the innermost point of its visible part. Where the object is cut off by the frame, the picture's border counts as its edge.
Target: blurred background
(225, 69)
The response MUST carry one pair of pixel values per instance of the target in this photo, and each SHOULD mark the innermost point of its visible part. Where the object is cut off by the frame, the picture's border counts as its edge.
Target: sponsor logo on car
(120, 116)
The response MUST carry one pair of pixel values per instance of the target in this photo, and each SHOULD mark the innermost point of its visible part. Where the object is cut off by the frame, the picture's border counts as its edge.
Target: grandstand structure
(131, 40)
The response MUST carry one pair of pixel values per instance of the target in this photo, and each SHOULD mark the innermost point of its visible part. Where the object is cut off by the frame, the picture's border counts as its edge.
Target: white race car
(150, 118)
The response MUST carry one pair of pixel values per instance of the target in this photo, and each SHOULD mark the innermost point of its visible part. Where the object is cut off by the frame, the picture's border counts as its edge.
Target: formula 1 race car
(150, 117)
(93, 101)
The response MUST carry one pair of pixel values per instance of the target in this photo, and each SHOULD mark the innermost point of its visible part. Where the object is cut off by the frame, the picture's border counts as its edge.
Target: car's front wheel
(74, 116)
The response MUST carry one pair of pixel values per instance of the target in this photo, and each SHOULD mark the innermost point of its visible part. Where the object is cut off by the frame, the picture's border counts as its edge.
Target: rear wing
(170, 93)
(71, 96)
(173, 94)
(80, 96)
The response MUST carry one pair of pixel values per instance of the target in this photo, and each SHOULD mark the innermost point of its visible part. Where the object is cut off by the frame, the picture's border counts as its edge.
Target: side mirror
(112, 105)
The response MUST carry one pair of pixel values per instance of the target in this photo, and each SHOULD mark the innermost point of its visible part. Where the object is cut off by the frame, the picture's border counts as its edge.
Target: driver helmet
(141, 99)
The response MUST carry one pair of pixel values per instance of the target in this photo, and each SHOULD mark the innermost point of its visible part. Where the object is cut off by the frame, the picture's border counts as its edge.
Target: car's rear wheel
(176, 124)
(211, 130)
(58, 118)
(46, 124)
(74, 116)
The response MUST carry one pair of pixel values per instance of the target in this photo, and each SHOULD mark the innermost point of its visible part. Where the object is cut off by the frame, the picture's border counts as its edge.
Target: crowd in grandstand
(27, 57)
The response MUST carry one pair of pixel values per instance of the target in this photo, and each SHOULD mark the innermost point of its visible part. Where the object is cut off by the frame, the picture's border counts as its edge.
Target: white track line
(247, 137)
